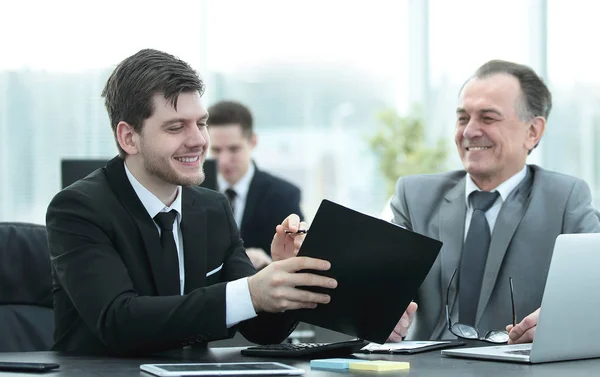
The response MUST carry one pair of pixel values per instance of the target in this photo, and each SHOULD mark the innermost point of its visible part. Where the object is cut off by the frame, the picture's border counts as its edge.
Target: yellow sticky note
(380, 365)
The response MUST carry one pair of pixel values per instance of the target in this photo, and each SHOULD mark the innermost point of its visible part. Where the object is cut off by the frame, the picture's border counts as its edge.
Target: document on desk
(410, 346)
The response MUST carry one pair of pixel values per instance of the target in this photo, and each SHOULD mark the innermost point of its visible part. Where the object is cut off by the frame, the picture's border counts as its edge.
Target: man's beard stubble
(160, 168)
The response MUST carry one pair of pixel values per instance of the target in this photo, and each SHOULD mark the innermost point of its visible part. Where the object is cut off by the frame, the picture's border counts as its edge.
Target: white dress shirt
(238, 303)
(504, 189)
(241, 189)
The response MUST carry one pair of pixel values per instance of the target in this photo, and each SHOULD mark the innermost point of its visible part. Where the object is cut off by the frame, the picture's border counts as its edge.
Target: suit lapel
(252, 199)
(508, 220)
(118, 181)
(452, 228)
(193, 230)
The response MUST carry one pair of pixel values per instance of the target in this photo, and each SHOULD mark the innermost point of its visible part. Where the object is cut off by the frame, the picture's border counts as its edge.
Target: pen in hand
(300, 231)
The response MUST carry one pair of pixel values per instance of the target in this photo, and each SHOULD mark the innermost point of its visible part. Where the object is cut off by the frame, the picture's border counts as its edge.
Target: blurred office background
(316, 74)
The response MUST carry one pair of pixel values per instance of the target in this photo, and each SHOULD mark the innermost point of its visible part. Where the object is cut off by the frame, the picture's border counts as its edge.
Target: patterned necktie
(474, 256)
(165, 221)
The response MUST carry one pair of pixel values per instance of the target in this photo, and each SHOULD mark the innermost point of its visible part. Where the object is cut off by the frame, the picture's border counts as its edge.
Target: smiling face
(492, 140)
(171, 147)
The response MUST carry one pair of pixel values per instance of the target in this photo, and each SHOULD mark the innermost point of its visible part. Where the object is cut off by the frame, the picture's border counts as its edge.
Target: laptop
(379, 267)
(568, 328)
(73, 170)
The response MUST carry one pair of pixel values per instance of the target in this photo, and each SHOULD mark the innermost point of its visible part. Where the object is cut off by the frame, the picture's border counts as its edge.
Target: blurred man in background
(259, 200)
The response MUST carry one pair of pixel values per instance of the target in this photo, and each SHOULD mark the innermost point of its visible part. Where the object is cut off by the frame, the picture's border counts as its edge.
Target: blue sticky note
(333, 363)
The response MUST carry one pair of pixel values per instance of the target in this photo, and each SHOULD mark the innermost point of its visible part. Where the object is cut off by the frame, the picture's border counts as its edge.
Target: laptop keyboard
(306, 349)
(520, 352)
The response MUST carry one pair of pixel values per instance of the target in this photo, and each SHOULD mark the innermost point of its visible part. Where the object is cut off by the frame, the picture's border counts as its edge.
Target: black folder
(378, 265)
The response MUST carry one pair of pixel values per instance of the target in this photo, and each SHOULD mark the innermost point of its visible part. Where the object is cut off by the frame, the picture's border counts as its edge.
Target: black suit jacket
(108, 272)
(269, 201)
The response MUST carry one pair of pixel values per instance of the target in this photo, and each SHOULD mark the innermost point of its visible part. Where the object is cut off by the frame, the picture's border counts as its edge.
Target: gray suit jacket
(544, 205)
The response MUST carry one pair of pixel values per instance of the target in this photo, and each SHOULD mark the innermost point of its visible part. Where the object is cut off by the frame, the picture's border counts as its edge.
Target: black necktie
(231, 194)
(474, 256)
(165, 221)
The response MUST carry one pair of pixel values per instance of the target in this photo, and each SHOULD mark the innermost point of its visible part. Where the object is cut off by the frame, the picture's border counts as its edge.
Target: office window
(315, 74)
(573, 134)
(464, 34)
(56, 57)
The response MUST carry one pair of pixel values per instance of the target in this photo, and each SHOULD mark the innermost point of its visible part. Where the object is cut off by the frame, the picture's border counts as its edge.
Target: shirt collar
(242, 186)
(504, 189)
(150, 201)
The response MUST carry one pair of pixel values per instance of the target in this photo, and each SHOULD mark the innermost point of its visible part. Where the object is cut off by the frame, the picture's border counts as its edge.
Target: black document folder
(378, 265)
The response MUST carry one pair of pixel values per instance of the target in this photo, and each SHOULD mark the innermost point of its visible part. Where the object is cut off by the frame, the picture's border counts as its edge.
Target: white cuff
(238, 303)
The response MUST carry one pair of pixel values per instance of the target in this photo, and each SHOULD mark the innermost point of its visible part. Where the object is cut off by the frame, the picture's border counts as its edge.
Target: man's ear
(127, 137)
(253, 140)
(534, 132)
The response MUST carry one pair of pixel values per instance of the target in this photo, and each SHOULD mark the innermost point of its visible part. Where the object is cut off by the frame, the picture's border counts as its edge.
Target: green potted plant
(400, 146)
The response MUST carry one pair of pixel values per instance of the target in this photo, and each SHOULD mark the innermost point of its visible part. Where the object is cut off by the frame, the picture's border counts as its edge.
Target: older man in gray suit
(501, 117)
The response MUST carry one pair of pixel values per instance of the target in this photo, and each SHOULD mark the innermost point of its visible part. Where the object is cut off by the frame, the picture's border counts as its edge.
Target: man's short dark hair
(536, 97)
(225, 113)
(129, 90)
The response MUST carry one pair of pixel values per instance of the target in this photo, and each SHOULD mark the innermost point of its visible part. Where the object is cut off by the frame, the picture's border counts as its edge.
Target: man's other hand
(286, 245)
(404, 323)
(524, 331)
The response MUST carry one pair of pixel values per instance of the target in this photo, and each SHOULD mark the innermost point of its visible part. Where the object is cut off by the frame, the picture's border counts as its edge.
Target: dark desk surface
(425, 364)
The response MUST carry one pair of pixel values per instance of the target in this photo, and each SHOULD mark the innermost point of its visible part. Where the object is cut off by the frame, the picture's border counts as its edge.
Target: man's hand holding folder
(401, 329)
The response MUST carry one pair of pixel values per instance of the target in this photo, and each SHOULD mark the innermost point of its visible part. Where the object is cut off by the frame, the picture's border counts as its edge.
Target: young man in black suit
(259, 200)
(143, 259)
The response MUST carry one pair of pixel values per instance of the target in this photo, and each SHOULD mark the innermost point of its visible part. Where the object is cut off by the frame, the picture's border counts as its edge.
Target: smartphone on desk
(25, 366)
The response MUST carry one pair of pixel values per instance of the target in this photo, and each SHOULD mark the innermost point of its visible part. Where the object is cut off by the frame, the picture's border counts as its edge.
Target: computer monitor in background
(210, 173)
(75, 169)
(72, 170)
